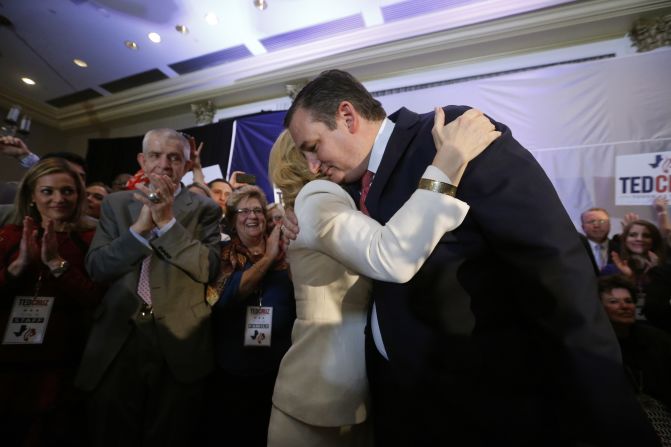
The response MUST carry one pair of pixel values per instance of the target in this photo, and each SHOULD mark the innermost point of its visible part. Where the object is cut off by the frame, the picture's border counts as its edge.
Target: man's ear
(347, 112)
(140, 159)
(188, 164)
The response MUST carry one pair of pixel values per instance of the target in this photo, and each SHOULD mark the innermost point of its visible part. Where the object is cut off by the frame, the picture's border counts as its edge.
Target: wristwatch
(62, 268)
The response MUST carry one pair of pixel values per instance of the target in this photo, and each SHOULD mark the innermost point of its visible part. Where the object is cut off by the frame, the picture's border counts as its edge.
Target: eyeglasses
(277, 218)
(245, 211)
(597, 221)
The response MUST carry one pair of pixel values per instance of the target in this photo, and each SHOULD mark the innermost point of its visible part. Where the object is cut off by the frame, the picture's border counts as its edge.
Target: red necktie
(366, 181)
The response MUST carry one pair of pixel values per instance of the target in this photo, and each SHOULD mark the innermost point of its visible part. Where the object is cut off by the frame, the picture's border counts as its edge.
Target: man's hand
(13, 147)
(144, 224)
(162, 187)
(289, 227)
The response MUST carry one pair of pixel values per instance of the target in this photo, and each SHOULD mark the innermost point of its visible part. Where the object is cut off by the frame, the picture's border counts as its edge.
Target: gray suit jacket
(183, 261)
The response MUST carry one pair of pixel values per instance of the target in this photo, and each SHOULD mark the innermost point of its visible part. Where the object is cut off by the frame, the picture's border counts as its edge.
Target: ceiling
(251, 55)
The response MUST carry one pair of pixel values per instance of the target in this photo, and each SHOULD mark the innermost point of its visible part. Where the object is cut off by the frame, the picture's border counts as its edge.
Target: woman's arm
(253, 277)
(394, 252)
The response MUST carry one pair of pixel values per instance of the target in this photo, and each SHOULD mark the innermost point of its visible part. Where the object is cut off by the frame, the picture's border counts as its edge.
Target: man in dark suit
(596, 225)
(151, 344)
(498, 340)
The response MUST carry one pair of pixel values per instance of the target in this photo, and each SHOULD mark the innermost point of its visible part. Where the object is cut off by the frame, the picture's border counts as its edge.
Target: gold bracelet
(436, 186)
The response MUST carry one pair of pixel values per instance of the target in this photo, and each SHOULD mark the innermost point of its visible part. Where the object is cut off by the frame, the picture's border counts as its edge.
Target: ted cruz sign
(640, 178)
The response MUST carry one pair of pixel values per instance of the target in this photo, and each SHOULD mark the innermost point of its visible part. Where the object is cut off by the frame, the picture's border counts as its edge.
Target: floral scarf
(234, 257)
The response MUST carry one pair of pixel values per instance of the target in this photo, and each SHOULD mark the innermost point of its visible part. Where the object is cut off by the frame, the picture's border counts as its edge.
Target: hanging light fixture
(260, 4)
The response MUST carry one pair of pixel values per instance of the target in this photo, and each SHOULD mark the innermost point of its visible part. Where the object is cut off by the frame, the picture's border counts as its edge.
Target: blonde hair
(288, 168)
(23, 202)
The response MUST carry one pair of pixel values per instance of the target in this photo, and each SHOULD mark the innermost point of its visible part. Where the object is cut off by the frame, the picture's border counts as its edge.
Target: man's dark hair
(322, 96)
(218, 180)
(104, 186)
(69, 156)
(608, 283)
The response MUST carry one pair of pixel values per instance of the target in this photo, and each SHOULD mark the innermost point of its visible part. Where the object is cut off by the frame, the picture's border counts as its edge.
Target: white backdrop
(574, 118)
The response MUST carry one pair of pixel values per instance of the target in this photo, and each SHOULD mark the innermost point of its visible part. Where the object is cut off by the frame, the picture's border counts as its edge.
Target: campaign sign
(28, 321)
(640, 178)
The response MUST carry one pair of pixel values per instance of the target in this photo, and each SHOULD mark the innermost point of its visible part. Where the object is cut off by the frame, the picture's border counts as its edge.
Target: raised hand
(629, 218)
(49, 253)
(273, 249)
(622, 265)
(13, 147)
(461, 140)
(163, 189)
(29, 250)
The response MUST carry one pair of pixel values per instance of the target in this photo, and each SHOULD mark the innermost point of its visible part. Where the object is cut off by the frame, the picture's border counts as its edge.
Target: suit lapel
(183, 204)
(134, 208)
(399, 141)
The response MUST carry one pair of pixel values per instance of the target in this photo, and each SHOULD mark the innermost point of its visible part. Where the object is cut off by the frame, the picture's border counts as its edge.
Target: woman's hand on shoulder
(461, 140)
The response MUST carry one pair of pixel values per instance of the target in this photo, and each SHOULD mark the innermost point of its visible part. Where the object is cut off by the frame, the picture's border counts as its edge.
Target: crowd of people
(421, 284)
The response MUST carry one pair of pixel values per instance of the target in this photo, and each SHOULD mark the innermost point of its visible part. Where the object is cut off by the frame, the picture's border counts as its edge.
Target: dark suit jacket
(612, 246)
(184, 260)
(503, 319)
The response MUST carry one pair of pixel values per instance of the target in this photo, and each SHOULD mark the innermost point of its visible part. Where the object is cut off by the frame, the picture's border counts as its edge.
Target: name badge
(258, 326)
(28, 320)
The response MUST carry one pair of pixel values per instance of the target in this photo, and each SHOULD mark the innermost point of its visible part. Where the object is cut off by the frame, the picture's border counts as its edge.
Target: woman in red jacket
(46, 303)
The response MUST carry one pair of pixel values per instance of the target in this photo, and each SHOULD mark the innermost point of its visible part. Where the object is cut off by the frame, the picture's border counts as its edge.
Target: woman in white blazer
(321, 391)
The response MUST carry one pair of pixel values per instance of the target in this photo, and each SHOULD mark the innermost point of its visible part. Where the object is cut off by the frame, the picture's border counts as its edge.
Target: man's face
(94, 198)
(339, 154)
(165, 156)
(220, 192)
(619, 306)
(596, 225)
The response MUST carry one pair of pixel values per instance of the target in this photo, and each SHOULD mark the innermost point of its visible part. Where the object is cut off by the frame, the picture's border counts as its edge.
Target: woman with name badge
(253, 313)
(46, 303)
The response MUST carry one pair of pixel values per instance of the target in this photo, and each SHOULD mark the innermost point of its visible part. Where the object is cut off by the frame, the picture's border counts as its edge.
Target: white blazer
(322, 378)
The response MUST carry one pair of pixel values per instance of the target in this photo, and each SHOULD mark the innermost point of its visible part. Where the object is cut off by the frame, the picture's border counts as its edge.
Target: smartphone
(246, 178)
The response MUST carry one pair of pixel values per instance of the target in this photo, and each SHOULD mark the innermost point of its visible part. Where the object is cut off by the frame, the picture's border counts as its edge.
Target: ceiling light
(182, 29)
(28, 81)
(260, 4)
(211, 18)
(80, 63)
(154, 37)
(130, 45)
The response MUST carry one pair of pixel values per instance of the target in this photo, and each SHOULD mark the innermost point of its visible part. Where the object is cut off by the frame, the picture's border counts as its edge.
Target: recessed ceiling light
(260, 4)
(28, 81)
(154, 37)
(182, 29)
(211, 18)
(130, 45)
(80, 63)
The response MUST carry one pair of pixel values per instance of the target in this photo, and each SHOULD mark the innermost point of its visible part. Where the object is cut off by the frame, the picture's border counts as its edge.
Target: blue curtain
(254, 137)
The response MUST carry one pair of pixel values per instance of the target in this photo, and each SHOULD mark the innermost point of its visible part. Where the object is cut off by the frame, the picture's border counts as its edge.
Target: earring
(32, 204)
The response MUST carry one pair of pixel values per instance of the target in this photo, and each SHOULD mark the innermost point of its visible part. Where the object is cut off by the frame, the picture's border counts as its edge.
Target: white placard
(28, 321)
(210, 173)
(639, 178)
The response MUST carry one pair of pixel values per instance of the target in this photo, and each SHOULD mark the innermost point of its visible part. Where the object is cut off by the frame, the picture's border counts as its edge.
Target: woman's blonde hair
(288, 168)
(24, 205)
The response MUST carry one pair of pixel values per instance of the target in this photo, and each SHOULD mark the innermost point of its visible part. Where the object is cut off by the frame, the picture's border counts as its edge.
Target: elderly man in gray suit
(150, 347)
